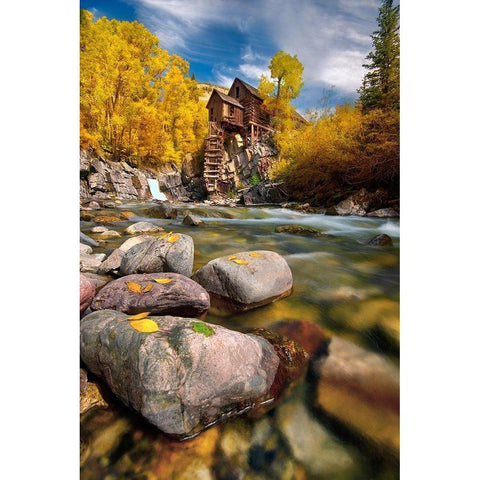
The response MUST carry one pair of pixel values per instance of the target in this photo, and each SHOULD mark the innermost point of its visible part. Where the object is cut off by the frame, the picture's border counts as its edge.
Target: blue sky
(223, 39)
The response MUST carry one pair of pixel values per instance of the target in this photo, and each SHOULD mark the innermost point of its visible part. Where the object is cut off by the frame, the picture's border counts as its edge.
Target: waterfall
(156, 193)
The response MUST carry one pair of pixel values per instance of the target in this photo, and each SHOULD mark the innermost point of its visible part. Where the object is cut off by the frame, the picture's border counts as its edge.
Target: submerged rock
(245, 280)
(87, 292)
(384, 212)
(300, 230)
(106, 219)
(311, 443)
(185, 375)
(162, 255)
(143, 227)
(380, 240)
(361, 390)
(90, 395)
(181, 296)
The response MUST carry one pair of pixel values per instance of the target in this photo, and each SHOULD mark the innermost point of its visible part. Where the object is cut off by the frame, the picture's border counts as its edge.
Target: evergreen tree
(381, 85)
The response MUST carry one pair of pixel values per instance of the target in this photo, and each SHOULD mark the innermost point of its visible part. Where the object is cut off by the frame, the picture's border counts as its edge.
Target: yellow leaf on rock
(240, 262)
(164, 280)
(134, 287)
(173, 238)
(254, 254)
(139, 316)
(147, 288)
(232, 257)
(145, 325)
(164, 236)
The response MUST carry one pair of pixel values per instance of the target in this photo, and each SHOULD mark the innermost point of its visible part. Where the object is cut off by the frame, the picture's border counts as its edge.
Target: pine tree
(381, 85)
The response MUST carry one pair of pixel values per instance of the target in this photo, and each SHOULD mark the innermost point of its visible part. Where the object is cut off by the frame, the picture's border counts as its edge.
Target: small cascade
(154, 189)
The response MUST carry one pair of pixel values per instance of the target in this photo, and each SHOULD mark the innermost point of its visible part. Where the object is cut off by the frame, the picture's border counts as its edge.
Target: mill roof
(227, 99)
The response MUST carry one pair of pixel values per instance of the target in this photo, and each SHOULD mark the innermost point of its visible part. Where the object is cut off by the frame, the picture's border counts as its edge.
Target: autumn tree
(381, 85)
(136, 100)
(286, 72)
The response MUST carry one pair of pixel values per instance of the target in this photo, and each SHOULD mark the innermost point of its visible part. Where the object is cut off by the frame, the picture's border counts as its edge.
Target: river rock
(192, 220)
(236, 287)
(359, 203)
(85, 239)
(90, 395)
(143, 227)
(361, 390)
(86, 216)
(183, 376)
(128, 244)
(311, 443)
(85, 249)
(380, 240)
(182, 296)
(384, 212)
(99, 229)
(109, 234)
(87, 293)
(300, 230)
(91, 263)
(106, 219)
(94, 205)
(163, 209)
(112, 263)
(160, 256)
(98, 280)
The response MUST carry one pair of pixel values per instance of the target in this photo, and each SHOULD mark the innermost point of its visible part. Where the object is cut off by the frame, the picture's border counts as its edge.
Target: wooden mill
(241, 112)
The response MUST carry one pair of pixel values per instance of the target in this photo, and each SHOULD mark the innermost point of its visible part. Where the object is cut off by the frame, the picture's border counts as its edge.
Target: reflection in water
(348, 407)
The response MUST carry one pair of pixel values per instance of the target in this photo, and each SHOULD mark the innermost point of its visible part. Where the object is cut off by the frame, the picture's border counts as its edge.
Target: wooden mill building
(240, 112)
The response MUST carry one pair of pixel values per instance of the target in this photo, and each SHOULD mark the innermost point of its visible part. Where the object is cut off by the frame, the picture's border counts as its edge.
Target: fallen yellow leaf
(134, 287)
(164, 280)
(146, 325)
(147, 288)
(139, 316)
(240, 262)
(254, 254)
(232, 257)
(163, 236)
(173, 238)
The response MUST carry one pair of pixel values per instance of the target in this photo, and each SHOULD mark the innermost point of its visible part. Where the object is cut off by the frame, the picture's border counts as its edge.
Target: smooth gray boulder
(181, 296)
(245, 280)
(183, 376)
(143, 227)
(128, 244)
(162, 255)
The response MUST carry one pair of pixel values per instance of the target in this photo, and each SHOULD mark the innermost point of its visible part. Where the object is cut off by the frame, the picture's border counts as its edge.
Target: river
(349, 289)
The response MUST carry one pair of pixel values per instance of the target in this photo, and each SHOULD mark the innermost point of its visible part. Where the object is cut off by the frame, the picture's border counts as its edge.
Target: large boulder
(112, 263)
(131, 242)
(180, 296)
(182, 376)
(92, 262)
(361, 390)
(172, 253)
(192, 220)
(263, 192)
(245, 280)
(384, 212)
(359, 203)
(87, 293)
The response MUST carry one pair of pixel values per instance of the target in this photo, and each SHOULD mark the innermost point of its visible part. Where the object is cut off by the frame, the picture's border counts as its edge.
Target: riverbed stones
(143, 227)
(380, 240)
(299, 230)
(180, 296)
(361, 390)
(183, 376)
(86, 240)
(384, 213)
(173, 253)
(106, 219)
(87, 293)
(85, 249)
(131, 242)
(162, 209)
(322, 454)
(245, 280)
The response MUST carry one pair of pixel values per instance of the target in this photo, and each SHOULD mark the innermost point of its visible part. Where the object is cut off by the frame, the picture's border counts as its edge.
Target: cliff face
(101, 178)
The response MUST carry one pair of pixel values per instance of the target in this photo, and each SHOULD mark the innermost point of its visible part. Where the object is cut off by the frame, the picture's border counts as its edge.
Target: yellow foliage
(135, 98)
(134, 287)
(145, 325)
(139, 316)
(164, 280)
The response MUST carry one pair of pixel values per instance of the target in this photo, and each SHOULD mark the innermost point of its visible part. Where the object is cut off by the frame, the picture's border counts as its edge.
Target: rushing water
(349, 289)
